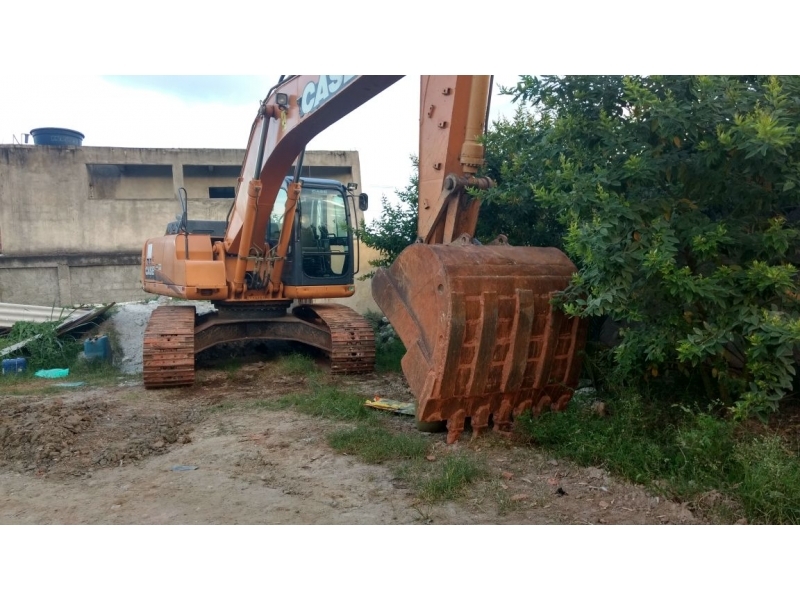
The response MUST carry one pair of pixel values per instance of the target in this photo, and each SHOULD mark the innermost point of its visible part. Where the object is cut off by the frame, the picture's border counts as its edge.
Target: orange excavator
(483, 341)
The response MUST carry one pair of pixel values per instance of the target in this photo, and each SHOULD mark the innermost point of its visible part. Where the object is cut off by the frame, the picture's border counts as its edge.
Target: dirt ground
(115, 453)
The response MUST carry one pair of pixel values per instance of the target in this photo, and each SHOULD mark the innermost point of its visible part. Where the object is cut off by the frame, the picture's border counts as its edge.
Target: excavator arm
(454, 112)
(483, 342)
(294, 112)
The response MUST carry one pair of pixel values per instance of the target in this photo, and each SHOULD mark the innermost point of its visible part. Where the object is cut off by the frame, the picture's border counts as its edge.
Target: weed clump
(689, 454)
(374, 444)
(328, 402)
(44, 348)
(389, 350)
(448, 479)
(296, 365)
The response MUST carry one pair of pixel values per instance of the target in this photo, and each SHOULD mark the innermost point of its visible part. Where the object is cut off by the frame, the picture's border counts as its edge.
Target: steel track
(173, 337)
(168, 350)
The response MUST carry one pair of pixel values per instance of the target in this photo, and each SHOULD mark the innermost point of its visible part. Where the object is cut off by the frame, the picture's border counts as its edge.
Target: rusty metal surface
(218, 329)
(444, 110)
(340, 332)
(481, 336)
(352, 337)
(168, 351)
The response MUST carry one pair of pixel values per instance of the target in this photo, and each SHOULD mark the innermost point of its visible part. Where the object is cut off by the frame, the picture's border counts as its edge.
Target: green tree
(510, 207)
(680, 200)
(396, 228)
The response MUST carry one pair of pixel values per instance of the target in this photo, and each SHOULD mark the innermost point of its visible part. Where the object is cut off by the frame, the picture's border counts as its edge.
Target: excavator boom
(294, 112)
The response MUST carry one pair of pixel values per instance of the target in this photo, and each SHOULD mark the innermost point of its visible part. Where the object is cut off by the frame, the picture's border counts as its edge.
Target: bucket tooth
(481, 335)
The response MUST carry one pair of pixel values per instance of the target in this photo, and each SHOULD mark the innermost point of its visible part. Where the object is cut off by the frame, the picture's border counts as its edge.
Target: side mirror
(363, 202)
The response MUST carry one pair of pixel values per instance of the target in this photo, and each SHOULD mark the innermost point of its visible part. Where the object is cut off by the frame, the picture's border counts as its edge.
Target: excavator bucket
(482, 338)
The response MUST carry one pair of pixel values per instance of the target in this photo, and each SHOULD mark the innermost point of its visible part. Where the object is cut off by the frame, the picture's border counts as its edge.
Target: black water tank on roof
(56, 136)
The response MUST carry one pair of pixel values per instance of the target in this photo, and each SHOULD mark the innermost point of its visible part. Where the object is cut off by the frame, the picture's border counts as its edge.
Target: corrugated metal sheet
(11, 313)
(73, 318)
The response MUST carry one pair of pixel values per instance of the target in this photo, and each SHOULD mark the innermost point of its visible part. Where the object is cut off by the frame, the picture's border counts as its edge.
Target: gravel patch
(130, 320)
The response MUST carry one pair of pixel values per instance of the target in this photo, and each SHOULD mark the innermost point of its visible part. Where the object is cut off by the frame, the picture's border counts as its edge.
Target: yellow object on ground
(403, 408)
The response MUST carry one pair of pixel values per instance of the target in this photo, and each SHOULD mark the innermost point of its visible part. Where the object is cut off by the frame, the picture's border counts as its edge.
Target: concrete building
(73, 219)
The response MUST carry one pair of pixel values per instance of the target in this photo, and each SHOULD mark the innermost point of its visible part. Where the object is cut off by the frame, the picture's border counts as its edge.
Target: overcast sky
(183, 111)
(58, 68)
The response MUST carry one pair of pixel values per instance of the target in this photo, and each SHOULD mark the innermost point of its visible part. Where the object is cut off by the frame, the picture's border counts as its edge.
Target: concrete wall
(73, 219)
(65, 280)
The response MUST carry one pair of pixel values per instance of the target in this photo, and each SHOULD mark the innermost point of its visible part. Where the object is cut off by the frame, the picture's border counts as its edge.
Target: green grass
(27, 386)
(9, 384)
(88, 372)
(444, 479)
(297, 365)
(375, 444)
(768, 481)
(46, 349)
(388, 356)
(327, 402)
(631, 442)
(684, 455)
(231, 365)
(388, 353)
(323, 401)
(95, 372)
(447, 479)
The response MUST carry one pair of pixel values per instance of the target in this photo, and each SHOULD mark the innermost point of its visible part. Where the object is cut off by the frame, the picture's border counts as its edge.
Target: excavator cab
(322, 247)
(182, 223)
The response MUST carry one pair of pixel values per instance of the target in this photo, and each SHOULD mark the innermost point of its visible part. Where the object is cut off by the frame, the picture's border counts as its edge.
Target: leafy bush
(45, 349)
(389, 349)
(511, 207)
(396, 228)
(680, 200)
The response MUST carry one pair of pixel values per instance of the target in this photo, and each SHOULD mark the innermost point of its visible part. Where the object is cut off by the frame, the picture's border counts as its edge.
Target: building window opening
(222, 192)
